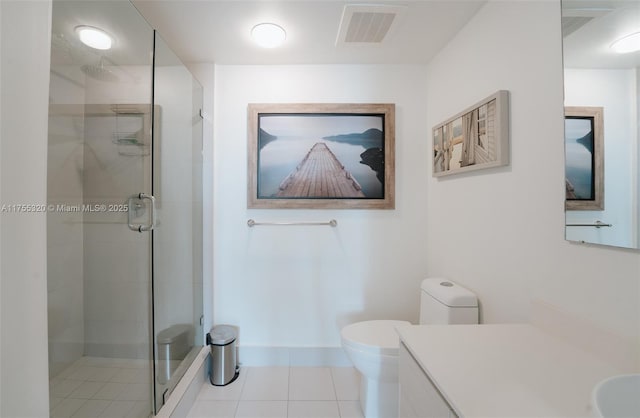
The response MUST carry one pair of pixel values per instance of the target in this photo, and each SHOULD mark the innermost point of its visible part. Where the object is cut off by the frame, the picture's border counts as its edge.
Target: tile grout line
(333, 383)
(335, 391)
(244, 383)
(288, 385)
(88, 376)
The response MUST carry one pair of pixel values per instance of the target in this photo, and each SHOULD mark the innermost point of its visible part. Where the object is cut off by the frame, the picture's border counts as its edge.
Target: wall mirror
(601, 97)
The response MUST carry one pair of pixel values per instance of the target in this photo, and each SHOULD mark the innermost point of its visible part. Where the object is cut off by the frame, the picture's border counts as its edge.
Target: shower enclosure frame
(149, 222)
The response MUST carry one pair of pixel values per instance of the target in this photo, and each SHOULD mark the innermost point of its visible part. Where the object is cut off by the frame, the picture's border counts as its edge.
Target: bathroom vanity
(418, 395)
(497, 370)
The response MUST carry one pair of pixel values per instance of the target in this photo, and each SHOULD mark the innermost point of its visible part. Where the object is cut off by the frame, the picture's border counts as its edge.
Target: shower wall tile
(174, 272)
(64, 236)
(65, 154)
(117, 301)
(116, 289)
(137, 90)
(124, 339)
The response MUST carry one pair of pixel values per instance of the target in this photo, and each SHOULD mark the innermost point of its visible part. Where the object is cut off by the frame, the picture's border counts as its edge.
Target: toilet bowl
(373, 346)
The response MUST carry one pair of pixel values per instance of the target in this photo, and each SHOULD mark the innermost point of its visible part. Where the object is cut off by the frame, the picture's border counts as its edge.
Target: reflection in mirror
(584, 158)
(596, 77)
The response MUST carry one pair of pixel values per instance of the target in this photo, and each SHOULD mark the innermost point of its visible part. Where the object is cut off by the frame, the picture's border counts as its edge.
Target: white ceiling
(589, 46)
(219, 31)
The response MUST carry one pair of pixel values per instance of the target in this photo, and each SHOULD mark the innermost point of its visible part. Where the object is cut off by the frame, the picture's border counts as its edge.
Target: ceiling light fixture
(630, 43)
(94, 37)
(268, 35)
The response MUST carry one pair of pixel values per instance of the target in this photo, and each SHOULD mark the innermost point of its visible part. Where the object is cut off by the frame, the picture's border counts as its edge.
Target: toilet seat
(374, 337)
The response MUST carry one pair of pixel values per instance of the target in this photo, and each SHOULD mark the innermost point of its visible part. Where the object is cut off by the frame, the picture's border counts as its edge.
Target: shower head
(99, 71)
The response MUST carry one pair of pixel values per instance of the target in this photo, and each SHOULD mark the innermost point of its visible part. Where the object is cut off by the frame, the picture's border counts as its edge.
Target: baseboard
(260, 356)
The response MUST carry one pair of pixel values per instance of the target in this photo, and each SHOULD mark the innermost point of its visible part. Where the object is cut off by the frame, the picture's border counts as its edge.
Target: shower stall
(124, 214)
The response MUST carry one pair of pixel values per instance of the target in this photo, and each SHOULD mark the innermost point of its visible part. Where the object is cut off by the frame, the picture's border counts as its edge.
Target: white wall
(636, 181)
(615, 92)
(501, 232)
(297, 286)
(23, 130)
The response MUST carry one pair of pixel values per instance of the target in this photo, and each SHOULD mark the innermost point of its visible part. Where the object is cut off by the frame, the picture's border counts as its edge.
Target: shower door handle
(134, 205)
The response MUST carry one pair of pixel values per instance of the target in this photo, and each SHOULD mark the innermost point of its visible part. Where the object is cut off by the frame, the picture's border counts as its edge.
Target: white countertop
(506, 370)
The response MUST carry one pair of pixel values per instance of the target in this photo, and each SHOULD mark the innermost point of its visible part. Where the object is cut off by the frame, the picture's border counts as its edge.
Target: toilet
(372, 346)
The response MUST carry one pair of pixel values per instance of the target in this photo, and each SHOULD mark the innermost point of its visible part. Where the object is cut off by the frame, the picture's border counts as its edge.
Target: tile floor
(101, 387)
(283, 392)
(119, 388)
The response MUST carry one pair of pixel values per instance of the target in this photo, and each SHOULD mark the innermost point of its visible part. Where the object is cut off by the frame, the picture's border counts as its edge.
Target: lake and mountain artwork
(320, 156)
(579, 158)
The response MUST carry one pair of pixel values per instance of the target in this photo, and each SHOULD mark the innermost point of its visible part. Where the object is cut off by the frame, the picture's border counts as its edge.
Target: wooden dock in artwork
(320, 175)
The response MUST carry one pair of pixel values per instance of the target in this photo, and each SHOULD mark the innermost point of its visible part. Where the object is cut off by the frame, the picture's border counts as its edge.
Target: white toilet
(373, 346)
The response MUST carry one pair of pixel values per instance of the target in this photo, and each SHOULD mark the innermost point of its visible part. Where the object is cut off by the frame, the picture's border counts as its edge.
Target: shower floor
(102, 387)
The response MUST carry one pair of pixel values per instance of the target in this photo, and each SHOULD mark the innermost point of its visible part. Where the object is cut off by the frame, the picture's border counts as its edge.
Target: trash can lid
(171, 334)
(223, 334)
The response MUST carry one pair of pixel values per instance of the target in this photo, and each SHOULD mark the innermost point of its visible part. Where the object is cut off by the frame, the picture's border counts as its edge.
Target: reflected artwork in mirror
(584, 158)
(601, 93)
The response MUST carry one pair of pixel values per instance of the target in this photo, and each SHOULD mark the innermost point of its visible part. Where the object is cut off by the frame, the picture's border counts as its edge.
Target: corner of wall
(25, 78)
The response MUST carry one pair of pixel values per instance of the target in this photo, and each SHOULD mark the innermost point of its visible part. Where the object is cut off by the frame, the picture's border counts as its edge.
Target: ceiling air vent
(574, 16)
(367, 24)
(571, 24)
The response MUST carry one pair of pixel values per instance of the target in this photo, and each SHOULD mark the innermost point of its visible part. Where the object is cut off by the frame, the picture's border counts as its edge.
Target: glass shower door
(124, 224)
(177, 238)
(98, 263)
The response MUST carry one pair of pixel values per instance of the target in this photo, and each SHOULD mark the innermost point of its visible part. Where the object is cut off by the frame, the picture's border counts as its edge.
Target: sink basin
(617, 396)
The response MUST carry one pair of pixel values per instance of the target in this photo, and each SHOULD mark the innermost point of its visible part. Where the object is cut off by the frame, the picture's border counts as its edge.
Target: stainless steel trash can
(224, 360)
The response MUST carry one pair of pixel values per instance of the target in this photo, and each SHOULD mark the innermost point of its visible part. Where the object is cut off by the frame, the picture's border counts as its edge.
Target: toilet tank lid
(449, 293)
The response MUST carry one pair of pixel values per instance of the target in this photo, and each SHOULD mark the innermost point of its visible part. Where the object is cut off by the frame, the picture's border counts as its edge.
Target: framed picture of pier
(321, 156)
(474, 139)
(584, 158)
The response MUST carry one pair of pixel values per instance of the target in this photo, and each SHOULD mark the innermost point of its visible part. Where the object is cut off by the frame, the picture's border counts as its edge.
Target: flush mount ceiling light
(94, 37)
(268, 35)
(630, 43)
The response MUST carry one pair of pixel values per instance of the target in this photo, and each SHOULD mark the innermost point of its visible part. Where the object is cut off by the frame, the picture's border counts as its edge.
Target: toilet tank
(445, 302)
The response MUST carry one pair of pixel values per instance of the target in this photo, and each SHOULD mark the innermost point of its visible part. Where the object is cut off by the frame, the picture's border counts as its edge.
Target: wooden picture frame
(474, 139)
(584, 158)
(321, 156)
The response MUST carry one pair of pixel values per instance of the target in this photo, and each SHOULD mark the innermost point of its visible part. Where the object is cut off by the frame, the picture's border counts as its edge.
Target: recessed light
(630, 43)
(268, 35)
(94, 37)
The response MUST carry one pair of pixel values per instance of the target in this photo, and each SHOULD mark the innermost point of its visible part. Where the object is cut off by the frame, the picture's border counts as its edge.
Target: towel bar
(597, 224)
(332, 222)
